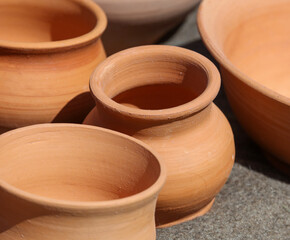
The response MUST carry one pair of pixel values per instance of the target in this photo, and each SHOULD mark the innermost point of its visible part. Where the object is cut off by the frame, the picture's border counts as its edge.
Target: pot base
(190, 217)
(278, 164)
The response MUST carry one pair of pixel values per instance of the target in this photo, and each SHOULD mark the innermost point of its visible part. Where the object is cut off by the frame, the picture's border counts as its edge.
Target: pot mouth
(208, 35)
(50, 25)
(132, 201)
(161, 75)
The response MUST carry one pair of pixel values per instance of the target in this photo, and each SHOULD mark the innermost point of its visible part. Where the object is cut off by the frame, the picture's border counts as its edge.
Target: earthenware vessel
(163, 96)
(48, 49)
(139, 22)
(250, 40)
(70, 181)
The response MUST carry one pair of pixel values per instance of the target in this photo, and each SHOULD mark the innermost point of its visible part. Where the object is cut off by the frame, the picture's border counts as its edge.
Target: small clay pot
(163, 96)
(48, 50)
(77, 182)
(250, 40)
(140, 22)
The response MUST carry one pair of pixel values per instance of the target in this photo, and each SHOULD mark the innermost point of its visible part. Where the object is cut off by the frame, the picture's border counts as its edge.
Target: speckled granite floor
(255, 202)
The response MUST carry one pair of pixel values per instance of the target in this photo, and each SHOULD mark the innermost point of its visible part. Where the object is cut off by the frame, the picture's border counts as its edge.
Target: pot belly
(46, 87)
(199, 161)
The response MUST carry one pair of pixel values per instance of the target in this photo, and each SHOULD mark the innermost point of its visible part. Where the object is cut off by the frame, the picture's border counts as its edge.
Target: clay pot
(66, 181)
(163, 96)
(250, 40)
(140, 22)
(48, 50)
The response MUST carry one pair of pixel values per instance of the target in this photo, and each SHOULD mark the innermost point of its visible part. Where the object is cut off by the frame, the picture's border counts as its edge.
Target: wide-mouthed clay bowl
(163, 96)
(48, 49)
(251, 41)
(77, 182)
(140, 22)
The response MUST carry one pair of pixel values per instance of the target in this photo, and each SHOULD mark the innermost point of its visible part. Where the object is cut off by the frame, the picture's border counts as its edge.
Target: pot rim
(90, 206)
(76, 42)
(226, 63)
(179, 112)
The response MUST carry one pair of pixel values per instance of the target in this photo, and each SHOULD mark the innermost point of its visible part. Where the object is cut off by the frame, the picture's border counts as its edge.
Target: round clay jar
(163, 96)
(48, 50)
(77, 182)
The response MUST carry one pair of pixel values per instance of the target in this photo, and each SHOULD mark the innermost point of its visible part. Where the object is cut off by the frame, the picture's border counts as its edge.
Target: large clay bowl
(251, 41)
(139, 22)
(48, 49)
(77, 182)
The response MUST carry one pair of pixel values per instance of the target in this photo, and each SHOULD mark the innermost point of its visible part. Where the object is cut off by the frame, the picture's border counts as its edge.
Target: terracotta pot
(140, 22)
(66, 181)
(48, 50)
(250, 39)
(163, 96)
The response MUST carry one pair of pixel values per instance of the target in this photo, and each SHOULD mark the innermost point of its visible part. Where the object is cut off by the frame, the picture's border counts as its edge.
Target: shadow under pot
(48, 50)
(163, 96)
(69, 181)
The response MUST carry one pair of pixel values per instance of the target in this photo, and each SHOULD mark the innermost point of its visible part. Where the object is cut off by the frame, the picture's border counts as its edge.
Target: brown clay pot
(163, 96)
(77, 182)
(250, 40)
(48, 50)
(140, 22)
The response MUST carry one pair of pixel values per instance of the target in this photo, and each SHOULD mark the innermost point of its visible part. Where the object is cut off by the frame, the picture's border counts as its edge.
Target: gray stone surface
(255, 202)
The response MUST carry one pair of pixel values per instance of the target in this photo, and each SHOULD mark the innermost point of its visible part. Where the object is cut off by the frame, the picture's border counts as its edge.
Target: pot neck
(147, 126)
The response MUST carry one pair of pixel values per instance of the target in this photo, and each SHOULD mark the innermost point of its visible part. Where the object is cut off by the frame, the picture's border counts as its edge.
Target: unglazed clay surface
(140, 22)
(48, 49)
(65, 181)
(251, 41)
(163, 96)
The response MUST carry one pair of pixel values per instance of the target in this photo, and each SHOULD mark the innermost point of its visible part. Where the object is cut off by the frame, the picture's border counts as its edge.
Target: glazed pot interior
(44, 20)
(154, 81)
(254, 36)
(76, 164)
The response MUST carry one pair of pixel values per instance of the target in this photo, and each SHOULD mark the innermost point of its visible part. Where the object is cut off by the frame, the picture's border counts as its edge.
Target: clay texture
(250, 39)
(69, 181)
(140, 22)
(48, 50)
(163, 96)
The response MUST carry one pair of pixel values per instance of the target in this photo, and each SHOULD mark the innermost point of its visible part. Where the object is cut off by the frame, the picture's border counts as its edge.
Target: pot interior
(255, 36)
(76, 164)
(44, 20)
(154, 81)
